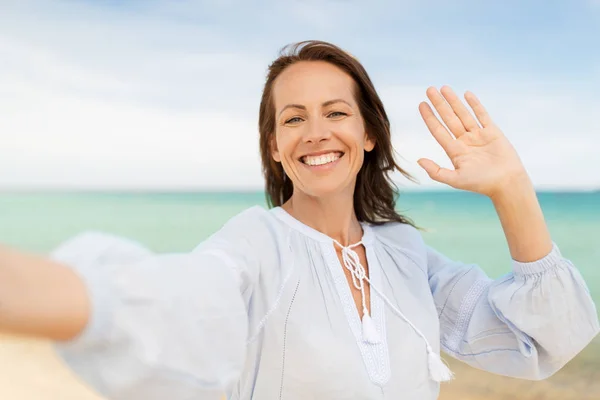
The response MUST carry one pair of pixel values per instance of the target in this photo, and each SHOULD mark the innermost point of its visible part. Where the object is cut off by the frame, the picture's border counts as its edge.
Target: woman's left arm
(527, 324)
(531, 322)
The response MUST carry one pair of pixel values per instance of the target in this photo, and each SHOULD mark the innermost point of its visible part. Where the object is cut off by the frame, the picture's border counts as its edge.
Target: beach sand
(29, 370)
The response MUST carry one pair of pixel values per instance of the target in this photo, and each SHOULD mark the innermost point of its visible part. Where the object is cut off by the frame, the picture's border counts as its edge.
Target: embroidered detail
(456, 282)
(375, 356)
(284, 341)
(264, 319)
(466, 309)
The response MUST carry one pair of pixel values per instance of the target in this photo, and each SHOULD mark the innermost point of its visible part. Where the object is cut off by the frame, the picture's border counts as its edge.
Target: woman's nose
(317, 131)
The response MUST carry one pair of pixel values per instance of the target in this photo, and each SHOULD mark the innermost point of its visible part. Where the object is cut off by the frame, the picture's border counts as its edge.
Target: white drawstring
(352, 263)
(438, 371)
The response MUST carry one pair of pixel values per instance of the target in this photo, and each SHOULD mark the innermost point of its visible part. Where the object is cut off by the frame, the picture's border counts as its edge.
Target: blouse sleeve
(527, 324)
(163, 326)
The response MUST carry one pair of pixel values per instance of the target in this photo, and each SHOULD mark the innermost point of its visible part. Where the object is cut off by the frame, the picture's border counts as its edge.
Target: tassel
(369, 330)
(438, 371)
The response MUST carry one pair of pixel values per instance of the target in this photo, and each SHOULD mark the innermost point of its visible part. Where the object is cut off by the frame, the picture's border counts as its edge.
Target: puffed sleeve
(163, 326)
(527, 324)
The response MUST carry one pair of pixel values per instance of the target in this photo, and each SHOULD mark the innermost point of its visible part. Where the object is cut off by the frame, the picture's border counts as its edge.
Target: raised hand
(484, 160)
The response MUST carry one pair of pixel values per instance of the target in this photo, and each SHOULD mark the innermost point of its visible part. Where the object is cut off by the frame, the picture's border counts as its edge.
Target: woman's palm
(482, 156)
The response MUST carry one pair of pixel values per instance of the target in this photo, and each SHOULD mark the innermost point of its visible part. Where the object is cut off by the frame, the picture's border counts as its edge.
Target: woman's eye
(294, 120)
(337, 114)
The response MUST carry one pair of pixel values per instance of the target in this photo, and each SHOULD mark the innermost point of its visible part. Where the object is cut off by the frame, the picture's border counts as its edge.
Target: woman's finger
(459, 108)
(437, 129)
(439, 174)
(446, 112)
(480, 112)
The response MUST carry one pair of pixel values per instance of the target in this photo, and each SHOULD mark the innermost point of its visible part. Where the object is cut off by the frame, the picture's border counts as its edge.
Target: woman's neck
(333, 216)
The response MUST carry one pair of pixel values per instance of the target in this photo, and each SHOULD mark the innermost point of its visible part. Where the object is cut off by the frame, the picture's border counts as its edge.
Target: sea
(461, 224)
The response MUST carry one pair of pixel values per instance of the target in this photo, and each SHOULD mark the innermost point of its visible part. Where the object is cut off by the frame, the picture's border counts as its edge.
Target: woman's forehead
(308, 82)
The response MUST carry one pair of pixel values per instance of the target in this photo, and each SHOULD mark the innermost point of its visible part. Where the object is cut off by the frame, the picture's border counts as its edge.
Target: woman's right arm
(138, 325)
(40, 297)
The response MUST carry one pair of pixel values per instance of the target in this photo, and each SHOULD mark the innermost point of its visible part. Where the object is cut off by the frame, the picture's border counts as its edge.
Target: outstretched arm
(134, 324)
(40, 297)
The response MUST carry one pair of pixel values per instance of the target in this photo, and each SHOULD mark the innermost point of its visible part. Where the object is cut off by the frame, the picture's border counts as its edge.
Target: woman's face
(320, 136)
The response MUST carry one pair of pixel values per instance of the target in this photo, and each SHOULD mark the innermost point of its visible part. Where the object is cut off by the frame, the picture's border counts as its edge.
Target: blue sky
(164, 94)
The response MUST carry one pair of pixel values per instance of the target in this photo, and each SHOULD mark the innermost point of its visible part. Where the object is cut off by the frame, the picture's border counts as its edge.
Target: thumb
(437, 173)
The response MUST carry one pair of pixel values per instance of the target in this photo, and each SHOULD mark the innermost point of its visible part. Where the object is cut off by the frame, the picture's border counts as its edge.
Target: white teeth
(321, 160)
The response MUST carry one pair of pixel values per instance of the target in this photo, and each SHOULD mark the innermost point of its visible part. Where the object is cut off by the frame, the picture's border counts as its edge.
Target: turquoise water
(461, 224)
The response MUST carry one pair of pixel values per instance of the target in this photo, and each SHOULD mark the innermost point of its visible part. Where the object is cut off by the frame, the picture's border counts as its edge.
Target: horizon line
(209, 190)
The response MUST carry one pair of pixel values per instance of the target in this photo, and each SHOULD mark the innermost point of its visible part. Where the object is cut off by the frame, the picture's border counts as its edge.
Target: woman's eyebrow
(325, 104)
(330, 102)
(300, 106)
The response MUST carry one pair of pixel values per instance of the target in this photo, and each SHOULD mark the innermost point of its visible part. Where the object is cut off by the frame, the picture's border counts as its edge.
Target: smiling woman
(330, 293)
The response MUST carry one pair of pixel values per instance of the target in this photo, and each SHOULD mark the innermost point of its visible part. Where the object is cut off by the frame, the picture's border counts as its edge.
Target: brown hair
(375, 192)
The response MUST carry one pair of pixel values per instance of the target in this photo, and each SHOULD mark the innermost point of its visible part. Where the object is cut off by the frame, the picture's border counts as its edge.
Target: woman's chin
(325, 188)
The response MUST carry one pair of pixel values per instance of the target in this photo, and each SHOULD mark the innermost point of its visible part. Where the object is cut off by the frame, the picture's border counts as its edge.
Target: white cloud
(61, 136)
(150, 97)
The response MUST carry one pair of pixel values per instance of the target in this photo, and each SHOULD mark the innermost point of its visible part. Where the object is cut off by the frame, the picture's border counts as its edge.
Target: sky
(164, 95)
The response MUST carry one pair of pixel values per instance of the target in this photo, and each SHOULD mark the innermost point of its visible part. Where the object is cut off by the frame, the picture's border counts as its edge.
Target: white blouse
(262, 309)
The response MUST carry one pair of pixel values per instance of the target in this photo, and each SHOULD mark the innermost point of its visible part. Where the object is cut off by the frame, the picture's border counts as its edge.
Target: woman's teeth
(322, 159)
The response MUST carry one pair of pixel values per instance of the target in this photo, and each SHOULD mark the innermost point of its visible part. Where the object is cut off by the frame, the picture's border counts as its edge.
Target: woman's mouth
(321, 159)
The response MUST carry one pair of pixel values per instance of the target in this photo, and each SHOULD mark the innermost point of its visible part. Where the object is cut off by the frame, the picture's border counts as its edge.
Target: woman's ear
(369, 143)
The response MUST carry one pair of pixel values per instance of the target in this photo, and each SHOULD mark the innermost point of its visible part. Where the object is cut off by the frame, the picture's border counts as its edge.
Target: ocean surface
(463, 225)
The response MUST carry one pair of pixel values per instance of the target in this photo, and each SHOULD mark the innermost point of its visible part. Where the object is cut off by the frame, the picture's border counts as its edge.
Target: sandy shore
(29, 370)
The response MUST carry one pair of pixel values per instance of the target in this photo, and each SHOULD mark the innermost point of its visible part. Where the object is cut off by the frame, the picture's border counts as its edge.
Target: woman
(330, 294)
